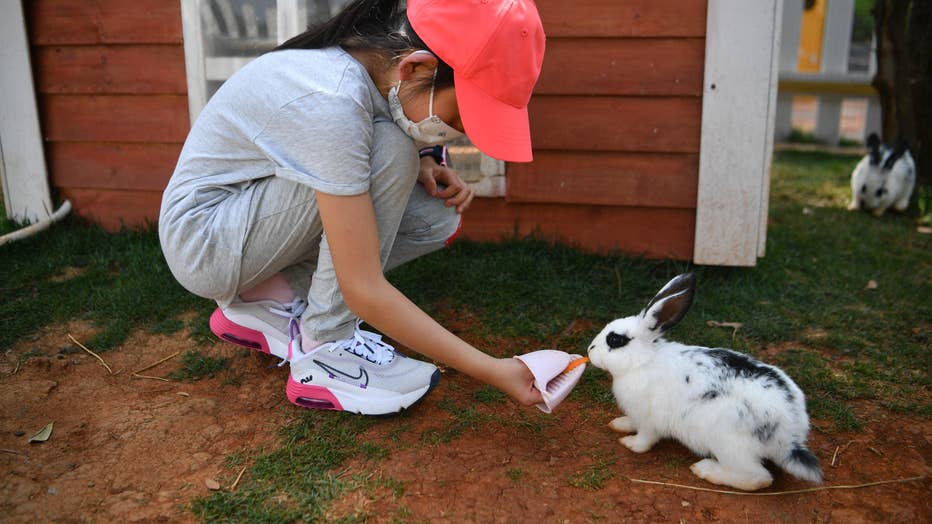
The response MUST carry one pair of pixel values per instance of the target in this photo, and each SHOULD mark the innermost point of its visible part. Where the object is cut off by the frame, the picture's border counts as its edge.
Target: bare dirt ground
(133, 449)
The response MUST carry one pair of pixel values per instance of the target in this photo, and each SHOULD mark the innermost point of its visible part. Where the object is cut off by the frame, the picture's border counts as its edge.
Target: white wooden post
(836, 44)
(789, 58)
(292, 18)
(194, 64)
(22, 170)
(737, 130)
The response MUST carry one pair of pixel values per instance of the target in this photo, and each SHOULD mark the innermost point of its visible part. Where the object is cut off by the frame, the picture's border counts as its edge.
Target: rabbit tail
(802, 463)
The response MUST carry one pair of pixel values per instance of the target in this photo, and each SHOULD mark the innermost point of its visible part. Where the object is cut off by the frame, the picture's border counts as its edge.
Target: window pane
(236, 31)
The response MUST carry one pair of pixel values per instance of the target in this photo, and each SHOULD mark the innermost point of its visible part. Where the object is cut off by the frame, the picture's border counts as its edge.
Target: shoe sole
(320, 397)
(228, 330)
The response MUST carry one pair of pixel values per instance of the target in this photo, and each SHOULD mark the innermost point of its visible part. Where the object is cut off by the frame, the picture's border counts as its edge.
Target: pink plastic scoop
(554, 375)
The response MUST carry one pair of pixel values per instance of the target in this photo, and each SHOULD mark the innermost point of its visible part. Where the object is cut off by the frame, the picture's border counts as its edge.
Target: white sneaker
(361, 374)
(263, 325)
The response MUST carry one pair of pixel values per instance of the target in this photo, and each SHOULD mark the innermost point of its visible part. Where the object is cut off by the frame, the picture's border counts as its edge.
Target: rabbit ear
(873, 146)
(670, 305)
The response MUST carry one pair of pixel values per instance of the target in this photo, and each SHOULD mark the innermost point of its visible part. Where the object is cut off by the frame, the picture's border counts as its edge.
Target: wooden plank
(616, 123)
(853, 85)
(610, 179)
(639, 231)
(104, 21)
(131, 69)
(114, 209)
(612, 18)
(115, 118)
(62, 21)
(22, 164)
(737, 123)
(109, 165)
(623, 66)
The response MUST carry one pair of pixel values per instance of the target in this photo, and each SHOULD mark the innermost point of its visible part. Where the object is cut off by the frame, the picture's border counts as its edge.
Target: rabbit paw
(710, 470)
(639, 443)
(622, 425)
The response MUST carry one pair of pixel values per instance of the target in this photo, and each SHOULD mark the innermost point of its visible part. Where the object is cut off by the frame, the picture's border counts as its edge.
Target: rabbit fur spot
(721, 404)
(884, 178)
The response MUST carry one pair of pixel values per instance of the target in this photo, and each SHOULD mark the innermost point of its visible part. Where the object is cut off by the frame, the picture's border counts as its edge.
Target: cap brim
(499, 130)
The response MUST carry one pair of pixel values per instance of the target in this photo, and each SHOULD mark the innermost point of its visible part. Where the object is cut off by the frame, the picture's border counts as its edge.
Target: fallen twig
(150, 377)
(150, 366)
(875, 450)
(835, 455)
(11, 451)
(91, 352)
(774, 493)
(236, 482)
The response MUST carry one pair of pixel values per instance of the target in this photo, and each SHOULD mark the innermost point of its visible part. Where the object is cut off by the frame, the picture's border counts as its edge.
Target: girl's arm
(350, 225)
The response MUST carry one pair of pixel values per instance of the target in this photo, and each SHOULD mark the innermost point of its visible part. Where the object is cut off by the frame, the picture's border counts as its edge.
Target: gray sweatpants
(285, 234)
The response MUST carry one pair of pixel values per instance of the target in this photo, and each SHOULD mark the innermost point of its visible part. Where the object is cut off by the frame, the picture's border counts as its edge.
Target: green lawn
(809, 296)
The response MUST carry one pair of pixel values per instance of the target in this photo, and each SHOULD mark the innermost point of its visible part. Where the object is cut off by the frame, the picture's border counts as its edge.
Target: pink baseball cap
(496, 48)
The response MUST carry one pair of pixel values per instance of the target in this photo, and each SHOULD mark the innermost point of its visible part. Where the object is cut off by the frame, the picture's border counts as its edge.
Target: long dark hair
(377, 25)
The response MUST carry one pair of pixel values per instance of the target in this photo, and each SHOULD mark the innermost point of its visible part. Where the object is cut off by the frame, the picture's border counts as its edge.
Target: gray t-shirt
(303, 115)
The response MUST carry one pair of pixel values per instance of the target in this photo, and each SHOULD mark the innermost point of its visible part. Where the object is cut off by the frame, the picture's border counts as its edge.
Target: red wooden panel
(113, 209)
(109, 165)
(115, 118)
(640, 231)
(103, 21)
(623, 17)
(62, 21)
(623, 66)
(616, 123)
(132, 69)
(611, 179)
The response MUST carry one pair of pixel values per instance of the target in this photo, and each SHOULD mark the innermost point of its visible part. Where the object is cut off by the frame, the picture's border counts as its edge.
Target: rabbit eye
(615, 340)
(864, 188)
(880, 192)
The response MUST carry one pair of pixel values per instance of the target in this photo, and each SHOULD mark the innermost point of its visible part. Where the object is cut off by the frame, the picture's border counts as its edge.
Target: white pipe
(41, 225)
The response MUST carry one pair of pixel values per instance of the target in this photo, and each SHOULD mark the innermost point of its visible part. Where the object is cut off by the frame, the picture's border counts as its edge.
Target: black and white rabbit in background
(721, 404)
(884, 178)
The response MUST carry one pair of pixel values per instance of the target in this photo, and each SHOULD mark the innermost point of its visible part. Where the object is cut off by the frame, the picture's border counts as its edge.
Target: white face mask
(431, 130)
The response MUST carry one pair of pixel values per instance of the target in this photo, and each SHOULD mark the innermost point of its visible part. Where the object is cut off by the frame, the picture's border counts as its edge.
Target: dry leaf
(924, 230)
(43, 434)
(807, 211)
(735, 326)
(871, 284)
(212, 484)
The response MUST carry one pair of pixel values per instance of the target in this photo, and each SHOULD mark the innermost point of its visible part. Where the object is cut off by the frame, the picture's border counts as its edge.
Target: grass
(594, 476)
(77, 272)
(807, 301)
(196, 365)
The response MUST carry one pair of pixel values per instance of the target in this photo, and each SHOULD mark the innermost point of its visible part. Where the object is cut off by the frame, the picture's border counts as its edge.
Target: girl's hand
(456, 192)
(514, 378)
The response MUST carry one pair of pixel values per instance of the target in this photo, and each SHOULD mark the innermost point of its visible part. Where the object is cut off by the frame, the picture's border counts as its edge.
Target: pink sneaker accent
(308, 396)
(237, 334)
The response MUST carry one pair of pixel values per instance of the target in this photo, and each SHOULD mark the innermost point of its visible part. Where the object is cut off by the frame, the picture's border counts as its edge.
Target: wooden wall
(111, 91)
(615, 123)
(615, 119)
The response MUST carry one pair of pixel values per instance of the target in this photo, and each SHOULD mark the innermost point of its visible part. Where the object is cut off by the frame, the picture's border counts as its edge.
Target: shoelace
(292, 311)
(367, 345)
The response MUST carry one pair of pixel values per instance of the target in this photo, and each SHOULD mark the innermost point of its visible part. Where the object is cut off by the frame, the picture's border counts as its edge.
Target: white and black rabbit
(884, 178)
(721, 404)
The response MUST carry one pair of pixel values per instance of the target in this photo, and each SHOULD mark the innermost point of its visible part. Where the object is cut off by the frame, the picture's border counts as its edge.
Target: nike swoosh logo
(363, 376)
